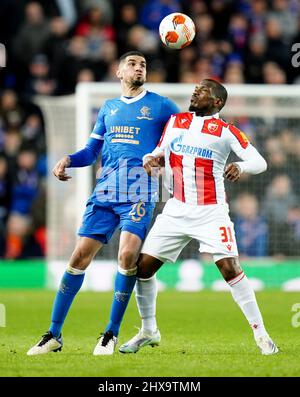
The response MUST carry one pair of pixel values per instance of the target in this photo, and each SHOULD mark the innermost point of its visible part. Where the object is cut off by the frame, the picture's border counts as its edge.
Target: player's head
(208, 97)
(132, 69)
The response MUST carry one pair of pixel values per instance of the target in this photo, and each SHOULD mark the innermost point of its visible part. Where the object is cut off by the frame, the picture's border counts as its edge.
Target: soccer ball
(177, 30)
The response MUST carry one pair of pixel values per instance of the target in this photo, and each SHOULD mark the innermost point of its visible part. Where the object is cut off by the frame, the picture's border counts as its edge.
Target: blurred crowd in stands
(54, 44)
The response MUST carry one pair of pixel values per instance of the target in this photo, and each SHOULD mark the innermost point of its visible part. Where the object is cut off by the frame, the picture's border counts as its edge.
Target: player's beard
(137, 82)
(204, 109)
(193, 108)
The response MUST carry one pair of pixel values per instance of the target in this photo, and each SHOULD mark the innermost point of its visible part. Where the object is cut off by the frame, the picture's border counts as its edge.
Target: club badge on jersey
(213, 127)
(145, 111)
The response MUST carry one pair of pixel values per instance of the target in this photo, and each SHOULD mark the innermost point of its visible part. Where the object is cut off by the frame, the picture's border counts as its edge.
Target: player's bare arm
(232, 172)
(60, 169)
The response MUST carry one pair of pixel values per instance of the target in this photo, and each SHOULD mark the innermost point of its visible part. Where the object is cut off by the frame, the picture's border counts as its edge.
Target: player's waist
(199, 196)
(207, 213)
(195, 204)
(123, 183)
(129, 196)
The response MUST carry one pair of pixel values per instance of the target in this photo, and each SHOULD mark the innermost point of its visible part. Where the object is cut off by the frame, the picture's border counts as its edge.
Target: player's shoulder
(182, 119)
(183, 116)
(166, 105)
(111, 101)
(234, 131)
(157, 97)
(110, 104)
(154, 95)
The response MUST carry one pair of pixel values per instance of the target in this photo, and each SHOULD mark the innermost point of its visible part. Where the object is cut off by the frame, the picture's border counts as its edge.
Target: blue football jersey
(130, 128)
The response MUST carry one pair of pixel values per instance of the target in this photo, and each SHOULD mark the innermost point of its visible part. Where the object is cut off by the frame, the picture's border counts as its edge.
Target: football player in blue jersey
(124, 197)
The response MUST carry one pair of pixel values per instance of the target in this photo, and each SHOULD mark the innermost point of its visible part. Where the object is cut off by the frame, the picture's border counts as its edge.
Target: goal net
(265, 208)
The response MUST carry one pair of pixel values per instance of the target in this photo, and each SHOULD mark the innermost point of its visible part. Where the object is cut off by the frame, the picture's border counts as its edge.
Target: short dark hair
(131, 53)
(218, 90)
(27, 147)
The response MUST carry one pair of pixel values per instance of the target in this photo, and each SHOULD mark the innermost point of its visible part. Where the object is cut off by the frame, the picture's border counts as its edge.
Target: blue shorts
(101, 219)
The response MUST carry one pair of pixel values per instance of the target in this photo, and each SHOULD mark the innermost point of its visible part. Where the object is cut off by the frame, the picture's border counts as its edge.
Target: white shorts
(179, 223)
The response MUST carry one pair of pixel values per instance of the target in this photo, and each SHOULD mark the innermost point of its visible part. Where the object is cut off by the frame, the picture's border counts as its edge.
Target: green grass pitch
(203, 334)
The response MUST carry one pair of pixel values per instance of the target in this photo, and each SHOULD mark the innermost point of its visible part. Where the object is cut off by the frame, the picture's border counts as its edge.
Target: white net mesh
(59, 116)
(270, 117)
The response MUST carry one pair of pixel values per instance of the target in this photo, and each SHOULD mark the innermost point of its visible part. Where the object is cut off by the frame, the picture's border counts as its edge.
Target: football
(177, 30)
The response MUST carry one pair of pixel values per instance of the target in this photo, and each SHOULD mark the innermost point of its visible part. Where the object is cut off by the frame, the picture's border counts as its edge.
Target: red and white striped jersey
(196, 150)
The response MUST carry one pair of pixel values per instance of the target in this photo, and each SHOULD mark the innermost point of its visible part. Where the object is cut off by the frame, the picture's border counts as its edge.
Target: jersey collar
(135, 98)
(215, 116)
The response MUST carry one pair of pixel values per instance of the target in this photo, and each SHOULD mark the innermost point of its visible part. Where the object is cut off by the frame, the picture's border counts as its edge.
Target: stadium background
(53, 45)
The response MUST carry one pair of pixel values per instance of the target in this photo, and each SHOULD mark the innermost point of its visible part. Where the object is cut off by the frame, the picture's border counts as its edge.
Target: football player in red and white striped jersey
(195, 147)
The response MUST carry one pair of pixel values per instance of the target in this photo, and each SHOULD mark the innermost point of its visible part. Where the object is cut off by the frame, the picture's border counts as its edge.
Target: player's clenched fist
(60, 169)
(232, 172)
(151, 162)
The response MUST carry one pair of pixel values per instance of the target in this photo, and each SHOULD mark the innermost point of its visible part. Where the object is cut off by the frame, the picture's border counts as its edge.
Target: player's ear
(218, 103)
(118, 74)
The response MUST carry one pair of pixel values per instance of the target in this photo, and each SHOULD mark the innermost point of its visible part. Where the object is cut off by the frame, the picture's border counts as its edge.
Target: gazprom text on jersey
(193, 150)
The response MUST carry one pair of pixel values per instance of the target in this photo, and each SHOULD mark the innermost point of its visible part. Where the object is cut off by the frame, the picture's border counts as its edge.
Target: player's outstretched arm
(60, 169)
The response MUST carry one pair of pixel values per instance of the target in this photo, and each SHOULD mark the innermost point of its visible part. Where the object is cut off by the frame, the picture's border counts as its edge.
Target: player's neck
(132, 91)
(206, 112)
(203, 113)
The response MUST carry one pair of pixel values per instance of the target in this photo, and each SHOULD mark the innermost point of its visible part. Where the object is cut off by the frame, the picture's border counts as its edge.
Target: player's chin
(193, 108)
(138, 82)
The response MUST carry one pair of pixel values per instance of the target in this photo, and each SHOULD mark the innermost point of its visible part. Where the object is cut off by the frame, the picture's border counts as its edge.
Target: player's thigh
(85, 250)
(217, 235)
(166, 238)
(99, 221)
(135, 218)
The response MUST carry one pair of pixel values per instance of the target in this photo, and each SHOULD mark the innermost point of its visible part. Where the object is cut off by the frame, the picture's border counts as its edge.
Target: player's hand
(232, 172)
(151, 162)
(60, 169)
